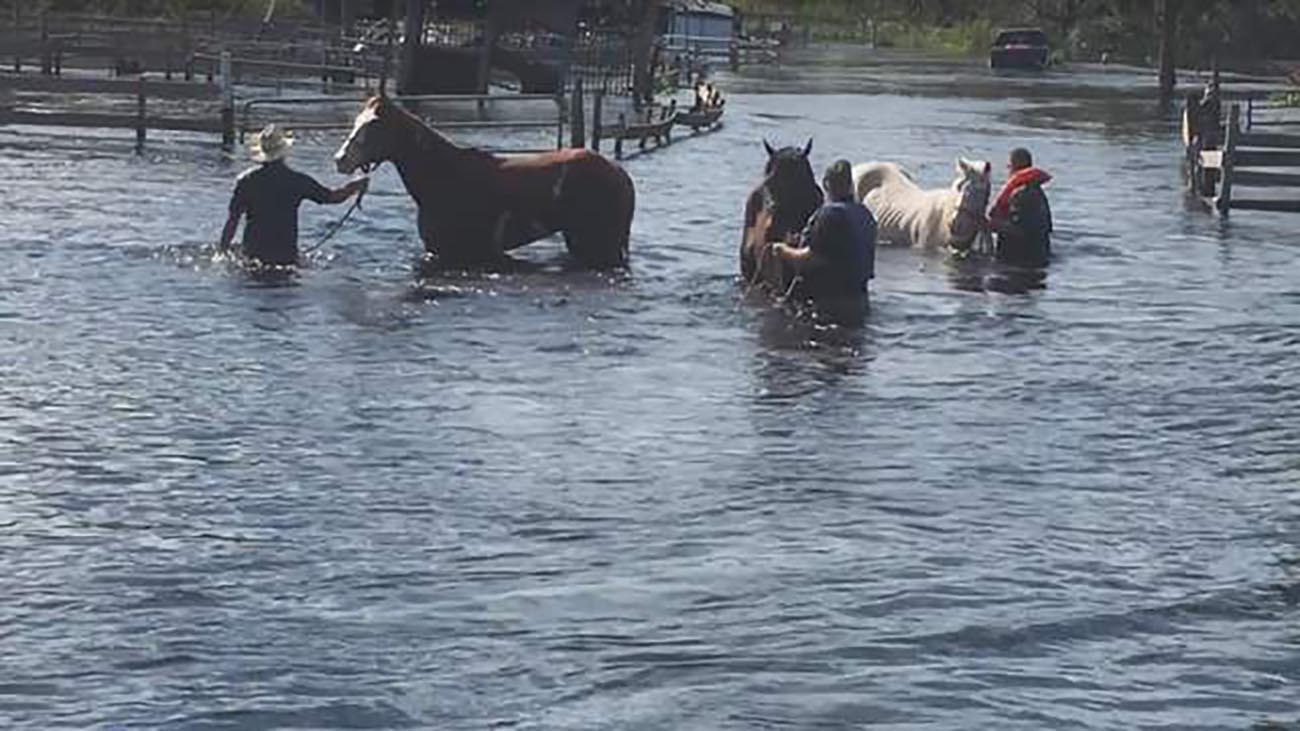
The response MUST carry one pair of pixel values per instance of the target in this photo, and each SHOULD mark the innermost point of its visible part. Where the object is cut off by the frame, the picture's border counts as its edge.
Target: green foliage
(965, 37)
(1081, 29)
(168, 8)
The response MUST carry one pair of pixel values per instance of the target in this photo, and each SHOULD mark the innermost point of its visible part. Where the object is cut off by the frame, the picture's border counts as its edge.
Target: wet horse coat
(779, 206)
(475, 206)
(910, 216)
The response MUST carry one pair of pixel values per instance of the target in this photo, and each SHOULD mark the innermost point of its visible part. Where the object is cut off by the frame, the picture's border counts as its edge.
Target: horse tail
(627, 215)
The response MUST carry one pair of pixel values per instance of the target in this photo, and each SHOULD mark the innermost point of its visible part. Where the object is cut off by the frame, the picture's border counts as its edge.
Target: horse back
(566, 187)
(869, 176)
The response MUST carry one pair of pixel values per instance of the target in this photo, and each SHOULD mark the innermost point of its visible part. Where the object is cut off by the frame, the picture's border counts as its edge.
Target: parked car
(1019, 48)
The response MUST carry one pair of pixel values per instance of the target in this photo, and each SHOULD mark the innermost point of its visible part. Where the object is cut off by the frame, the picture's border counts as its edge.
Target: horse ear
(988, 168)
(962, 167)
(807, 149)
(768, 146)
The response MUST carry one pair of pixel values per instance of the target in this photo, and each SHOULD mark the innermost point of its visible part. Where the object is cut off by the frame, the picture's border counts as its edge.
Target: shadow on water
(983, 274)
(805, 350)
(540, 272)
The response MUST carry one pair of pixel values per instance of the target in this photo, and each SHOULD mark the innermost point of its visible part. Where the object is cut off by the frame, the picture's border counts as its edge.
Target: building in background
(701, 27)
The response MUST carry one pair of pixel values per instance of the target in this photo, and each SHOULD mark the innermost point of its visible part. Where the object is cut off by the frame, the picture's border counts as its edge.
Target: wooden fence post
(227, 104)
(577, 117)
(597, 112)
(18, 54)
(140, 118)
(1224, 201)
(46, 60)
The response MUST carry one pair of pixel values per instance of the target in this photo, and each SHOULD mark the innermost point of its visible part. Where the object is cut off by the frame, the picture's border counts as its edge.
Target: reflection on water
(393, 497)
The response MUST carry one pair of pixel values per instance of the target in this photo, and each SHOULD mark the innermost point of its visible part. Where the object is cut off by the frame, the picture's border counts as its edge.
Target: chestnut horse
(475, 206)
(779, 206)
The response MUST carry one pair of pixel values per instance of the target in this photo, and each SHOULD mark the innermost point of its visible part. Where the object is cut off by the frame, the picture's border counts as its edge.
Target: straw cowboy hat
(271, 144)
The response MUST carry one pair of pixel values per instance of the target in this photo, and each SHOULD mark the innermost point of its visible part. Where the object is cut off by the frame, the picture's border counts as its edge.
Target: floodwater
(550, 499)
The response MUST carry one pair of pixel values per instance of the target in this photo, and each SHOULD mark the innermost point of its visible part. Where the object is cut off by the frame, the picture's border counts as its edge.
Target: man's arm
(313, 191)
(232, 221)
(799, 250)
(228, 233)
(355, 187)
(794, 254)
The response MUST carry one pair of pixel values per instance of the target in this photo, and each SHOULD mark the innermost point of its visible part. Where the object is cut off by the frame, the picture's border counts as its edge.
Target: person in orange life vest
(1021, 216)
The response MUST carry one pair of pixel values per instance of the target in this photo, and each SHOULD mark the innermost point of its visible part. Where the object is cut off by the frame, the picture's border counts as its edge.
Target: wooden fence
(1251, 164)
(202, 75)
(447, 112)
(186, 46)
(154, 103)
(76, 70)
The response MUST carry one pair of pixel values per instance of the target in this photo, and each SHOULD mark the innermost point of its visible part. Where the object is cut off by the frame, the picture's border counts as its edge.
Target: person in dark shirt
(269, 195)
(835, 255)
(1021, 216)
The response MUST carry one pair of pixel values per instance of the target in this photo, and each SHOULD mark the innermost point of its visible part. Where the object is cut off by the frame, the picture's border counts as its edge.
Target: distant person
(1021, 216)
(835, 256)
(269, 195)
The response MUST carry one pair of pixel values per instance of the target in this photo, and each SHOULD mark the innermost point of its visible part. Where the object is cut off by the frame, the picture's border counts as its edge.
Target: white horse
(909, 216)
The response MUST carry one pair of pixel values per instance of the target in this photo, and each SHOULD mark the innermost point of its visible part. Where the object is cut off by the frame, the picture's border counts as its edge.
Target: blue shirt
(842, 237)
(269, 195)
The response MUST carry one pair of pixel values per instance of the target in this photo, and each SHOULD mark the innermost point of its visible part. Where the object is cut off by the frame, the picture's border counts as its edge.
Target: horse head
(790, 186)
(368, 144)
(972, 187)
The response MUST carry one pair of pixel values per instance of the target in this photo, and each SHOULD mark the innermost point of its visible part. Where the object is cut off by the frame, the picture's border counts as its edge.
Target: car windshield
(1021, 38)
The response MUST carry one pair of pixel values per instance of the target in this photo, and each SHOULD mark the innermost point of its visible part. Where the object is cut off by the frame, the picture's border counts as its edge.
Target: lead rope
(338, 225)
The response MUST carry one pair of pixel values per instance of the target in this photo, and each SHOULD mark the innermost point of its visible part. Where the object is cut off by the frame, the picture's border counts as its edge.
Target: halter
(969, 208)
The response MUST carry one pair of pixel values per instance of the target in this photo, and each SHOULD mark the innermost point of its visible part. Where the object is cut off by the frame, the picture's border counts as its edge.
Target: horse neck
(432, 166)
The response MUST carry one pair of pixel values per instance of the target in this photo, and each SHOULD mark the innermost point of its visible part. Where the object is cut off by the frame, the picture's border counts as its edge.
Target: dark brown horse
(475, 206)
(780, 206)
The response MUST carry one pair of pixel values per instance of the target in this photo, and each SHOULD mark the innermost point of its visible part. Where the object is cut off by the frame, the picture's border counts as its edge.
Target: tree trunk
(411, 42)
(491, 32)
(1166, 23)
(643, 43)
(348, 17)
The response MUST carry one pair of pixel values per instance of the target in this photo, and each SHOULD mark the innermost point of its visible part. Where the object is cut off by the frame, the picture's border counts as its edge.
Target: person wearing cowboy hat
(269, 196)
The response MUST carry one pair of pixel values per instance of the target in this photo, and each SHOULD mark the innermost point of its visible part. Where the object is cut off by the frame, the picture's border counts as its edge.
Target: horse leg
(599, 243)
(427, 233)
(599, 225)
(747, 263)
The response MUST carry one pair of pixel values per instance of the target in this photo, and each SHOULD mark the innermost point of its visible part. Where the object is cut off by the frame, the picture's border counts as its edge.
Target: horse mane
(428, 139)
